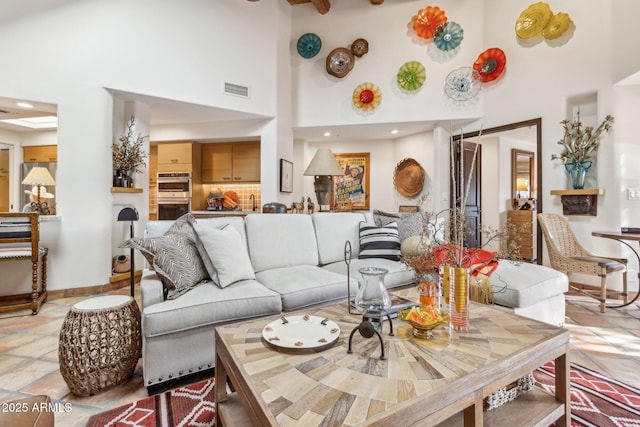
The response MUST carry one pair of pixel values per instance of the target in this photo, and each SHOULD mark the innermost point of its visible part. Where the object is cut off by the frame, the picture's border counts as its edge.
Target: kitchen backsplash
(244, 192)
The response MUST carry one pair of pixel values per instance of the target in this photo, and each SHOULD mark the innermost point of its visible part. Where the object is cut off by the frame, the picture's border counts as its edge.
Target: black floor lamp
(130, 214)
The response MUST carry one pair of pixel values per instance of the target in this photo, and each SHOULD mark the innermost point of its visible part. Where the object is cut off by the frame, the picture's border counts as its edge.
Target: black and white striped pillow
(379, 242)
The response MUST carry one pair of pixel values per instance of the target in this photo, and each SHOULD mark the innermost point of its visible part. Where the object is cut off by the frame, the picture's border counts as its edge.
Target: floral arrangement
(580, 141)
(128, 152)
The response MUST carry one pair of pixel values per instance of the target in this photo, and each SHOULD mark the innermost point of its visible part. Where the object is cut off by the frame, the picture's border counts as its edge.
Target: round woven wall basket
(408, 178)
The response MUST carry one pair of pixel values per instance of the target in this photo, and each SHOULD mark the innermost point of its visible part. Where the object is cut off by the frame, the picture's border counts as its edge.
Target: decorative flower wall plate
(367, 96)
(340, 62)
(304, 331)
(427, 20)
(448, 36)
(359, 47)
(532, 20)
(309, 45)
(411, 76)
(490, 64)
(463, 84)
(558, 24)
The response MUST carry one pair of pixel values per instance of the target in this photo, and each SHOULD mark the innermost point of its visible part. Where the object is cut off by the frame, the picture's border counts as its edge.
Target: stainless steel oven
(174, 185)
(174, 194)
(173, 208)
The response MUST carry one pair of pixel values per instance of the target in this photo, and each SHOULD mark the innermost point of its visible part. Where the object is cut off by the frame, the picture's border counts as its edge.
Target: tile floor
(608, 343)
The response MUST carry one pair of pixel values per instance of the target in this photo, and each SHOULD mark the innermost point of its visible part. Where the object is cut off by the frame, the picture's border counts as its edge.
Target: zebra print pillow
(379, 242)
(174, 257)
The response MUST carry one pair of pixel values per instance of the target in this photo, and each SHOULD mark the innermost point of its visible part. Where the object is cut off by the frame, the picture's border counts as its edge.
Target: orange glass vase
(459, 298)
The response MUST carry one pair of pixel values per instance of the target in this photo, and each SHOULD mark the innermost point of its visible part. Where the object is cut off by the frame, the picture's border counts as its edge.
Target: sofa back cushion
(280, 240)
(332, 230)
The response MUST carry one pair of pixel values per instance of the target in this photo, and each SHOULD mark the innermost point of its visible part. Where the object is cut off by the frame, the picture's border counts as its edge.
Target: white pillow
(227, 253)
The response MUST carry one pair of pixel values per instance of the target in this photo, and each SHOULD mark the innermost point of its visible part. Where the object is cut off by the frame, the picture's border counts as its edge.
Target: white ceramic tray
(303, 331)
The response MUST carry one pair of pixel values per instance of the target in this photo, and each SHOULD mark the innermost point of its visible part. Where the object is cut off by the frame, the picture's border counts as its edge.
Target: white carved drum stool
(100, 343)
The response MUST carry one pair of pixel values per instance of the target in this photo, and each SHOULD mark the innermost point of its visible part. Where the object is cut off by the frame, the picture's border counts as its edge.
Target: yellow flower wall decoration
(367, 96)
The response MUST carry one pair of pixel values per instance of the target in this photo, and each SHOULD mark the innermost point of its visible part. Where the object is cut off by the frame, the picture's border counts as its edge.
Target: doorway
(534, 128)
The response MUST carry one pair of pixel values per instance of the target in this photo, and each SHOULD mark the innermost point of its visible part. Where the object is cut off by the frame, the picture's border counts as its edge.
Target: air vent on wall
(237, 90)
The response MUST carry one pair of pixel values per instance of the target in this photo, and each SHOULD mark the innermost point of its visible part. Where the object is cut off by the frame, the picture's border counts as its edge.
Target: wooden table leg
(220, 386)
(563, 389)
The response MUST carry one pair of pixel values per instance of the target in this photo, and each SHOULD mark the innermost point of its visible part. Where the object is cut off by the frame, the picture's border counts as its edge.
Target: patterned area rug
(191, 405)
(596, 400)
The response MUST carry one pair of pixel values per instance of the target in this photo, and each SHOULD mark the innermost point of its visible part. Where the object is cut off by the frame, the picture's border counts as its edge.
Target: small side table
(100, 343)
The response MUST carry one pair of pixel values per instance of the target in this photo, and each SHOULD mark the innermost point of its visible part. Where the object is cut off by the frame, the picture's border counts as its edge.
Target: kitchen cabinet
(183, 156)
(40, 153)
(525, 221)
(231, 162)
(217, 162)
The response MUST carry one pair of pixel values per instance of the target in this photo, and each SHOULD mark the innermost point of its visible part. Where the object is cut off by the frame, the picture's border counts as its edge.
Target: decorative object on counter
(408, 177)
(231, 200)
(579, 142)
(286, 176)
(215, 201)
(298, 207)
(359, 47)
(372, 301)
(533, 20)
(366, 96)
(411, 76)
(323, 167)
(463, 84)
(490, 64)
(128, 156)
(309, 45)
(274, 207)
(557, 26)
(310, 206)
(38, 177)
(339, 62)
(131, 215)
(448, 36)
(426, 21)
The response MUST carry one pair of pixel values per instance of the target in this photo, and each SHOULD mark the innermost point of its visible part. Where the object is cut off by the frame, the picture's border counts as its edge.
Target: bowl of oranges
(423, 319)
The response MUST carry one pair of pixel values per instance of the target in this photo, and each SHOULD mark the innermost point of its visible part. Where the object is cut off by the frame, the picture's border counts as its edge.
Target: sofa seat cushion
(399, 274)
(208, 304)
(304, 285)
(523, 284)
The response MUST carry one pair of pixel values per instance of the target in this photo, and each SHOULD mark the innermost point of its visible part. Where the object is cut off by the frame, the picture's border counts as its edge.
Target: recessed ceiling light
(327, 134)
(24, 105)
(394, 131)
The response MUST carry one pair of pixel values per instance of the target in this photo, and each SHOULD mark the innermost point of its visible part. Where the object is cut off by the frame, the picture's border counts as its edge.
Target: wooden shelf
(125, 190)
(583, 192)
(579, 202)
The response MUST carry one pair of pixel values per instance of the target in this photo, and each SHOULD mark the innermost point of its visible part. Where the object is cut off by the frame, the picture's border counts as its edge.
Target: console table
(622, 238)
(425, 382)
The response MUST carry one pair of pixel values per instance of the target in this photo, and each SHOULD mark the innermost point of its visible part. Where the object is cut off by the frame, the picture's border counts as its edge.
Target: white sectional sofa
(297, 261)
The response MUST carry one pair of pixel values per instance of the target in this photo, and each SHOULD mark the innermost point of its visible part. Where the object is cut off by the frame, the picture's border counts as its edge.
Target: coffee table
(423, 382)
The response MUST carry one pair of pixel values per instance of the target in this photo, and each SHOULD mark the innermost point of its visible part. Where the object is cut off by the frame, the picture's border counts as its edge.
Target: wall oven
(174, 194)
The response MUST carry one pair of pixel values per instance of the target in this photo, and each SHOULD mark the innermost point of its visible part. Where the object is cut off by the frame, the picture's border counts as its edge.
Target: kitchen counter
(205, 213)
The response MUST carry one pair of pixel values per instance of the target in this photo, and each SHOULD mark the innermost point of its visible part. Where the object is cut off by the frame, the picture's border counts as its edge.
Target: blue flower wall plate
(309, 45)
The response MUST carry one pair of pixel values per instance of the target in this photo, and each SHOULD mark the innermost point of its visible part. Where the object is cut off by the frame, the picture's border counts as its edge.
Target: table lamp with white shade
(38, 177)
(324, 166)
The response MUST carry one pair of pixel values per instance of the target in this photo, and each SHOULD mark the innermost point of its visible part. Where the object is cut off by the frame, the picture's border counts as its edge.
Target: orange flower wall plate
(367, 96)
(490, 64)
(426, 22)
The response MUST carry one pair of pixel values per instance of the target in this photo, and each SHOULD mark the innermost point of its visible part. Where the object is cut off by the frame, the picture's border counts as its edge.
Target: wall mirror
(522, 174)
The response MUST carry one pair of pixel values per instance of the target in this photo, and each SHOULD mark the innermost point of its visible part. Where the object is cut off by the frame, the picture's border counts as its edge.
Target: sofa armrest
(151, 288)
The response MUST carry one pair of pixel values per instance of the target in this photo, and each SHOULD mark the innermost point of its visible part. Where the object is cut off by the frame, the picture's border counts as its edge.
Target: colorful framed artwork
(286, 176)
(351, 189)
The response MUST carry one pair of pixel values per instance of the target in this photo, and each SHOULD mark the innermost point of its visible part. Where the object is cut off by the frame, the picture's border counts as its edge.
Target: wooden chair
(568, 256)
(16, 229)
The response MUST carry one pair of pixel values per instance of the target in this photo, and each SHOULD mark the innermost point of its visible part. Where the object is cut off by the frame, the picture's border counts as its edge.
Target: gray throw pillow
(409, 224)
(225, 252)
(176, 260)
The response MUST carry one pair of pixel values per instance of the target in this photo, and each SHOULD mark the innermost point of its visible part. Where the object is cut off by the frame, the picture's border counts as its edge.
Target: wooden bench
(17, 229)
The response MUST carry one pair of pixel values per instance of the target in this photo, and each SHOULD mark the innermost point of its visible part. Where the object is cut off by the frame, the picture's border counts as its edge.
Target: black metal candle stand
(367, 329)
